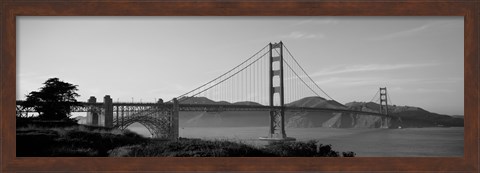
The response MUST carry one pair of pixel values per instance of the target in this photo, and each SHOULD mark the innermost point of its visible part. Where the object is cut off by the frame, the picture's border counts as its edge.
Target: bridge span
(271, 77)
(162, 118)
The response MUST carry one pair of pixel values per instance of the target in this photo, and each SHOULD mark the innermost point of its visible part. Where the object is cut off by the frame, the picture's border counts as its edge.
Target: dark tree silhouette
(54, 101)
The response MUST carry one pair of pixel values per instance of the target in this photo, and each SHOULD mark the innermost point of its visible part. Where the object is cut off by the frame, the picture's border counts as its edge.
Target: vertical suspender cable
(375, 95)
(202, 90)
(306, 73)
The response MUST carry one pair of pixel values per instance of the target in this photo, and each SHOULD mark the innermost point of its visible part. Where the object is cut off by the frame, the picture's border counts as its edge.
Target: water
(364, 142)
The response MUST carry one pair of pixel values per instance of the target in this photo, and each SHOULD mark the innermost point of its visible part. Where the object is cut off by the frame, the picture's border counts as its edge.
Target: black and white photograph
(280, 86)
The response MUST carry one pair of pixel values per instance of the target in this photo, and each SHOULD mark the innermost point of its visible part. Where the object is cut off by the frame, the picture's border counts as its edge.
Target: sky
(419, 59)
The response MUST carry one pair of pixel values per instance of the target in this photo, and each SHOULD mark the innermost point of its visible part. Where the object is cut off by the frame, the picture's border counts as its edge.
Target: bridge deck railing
(85, 107)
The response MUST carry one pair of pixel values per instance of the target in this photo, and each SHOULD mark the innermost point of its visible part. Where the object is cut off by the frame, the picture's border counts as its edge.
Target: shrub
(301, 149)
(75, 152)
(206, 148)
(72, 141)
(34, 121)
(35, 143)
(99, 141)
(326, 151)
(348, 154)
(188, 148)
(122, 151)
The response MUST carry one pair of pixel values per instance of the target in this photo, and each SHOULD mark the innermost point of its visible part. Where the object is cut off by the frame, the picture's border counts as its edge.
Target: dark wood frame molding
(9, 9)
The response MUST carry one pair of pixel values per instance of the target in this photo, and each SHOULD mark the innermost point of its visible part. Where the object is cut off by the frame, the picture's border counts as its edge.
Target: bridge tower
(384, 107)
(277, 115)
(383, 101)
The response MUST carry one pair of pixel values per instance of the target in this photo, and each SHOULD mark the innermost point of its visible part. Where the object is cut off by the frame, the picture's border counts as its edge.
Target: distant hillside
(292, 119)
(316, 102)
(198, 100)
(457, 116)
(313, 119)
(221, 119)
(258, 118)
(411, 116)
(244, 103)
(224, 119)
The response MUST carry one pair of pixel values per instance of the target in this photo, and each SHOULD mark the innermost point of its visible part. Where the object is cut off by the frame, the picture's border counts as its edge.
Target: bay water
(407, 142)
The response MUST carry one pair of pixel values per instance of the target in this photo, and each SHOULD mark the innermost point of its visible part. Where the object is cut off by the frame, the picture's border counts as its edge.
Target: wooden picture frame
(9, 9)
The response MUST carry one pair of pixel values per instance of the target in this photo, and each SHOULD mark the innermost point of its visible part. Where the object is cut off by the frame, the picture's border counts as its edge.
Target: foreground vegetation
(75, 140)
(223, 148)
(79, 140)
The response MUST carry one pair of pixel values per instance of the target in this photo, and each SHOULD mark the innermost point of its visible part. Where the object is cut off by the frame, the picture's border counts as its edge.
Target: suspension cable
(299, 76)
(306, 72)
(390, 99)
(223, 73)
(227, 77)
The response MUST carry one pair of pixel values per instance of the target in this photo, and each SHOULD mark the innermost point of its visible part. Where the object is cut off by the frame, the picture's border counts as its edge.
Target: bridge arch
(158, 124)
(158, 128)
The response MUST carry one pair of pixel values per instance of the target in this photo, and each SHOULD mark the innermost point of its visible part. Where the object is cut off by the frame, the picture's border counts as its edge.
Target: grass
(221, 148)
(188, 147)
(80, 140)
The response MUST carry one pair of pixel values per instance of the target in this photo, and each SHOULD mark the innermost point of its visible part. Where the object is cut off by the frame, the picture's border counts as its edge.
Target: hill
(222, 119)
(316, 102)
(313, 119)
(411, 116)
(293, 119)
(457, 116)
(328, 119)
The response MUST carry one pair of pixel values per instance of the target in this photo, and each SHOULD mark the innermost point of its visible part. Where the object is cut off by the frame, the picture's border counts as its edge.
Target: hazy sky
(419, 59)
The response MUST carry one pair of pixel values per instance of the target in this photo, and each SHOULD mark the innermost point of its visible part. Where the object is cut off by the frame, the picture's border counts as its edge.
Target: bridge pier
(108, 115)
(161, 119)
(92, 115)
(98, 117)
(386, 121)
(174, 121)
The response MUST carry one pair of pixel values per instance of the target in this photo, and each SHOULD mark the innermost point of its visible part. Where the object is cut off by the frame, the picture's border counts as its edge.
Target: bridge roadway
(135, 107)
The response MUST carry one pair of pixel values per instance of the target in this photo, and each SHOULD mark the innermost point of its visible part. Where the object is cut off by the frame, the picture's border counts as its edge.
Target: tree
(54, 101)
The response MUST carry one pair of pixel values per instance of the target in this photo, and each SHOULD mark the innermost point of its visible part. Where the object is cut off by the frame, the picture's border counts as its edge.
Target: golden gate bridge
(266, 81)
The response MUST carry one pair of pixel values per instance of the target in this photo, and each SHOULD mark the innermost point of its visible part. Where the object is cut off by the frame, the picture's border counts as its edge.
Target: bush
(217, 148)
(34, 121)
(74, 152)
(348, 154)
(99, 141)
(301, 149)
(326, 151)
(188, 148)
(72, 141)
(35, 143)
